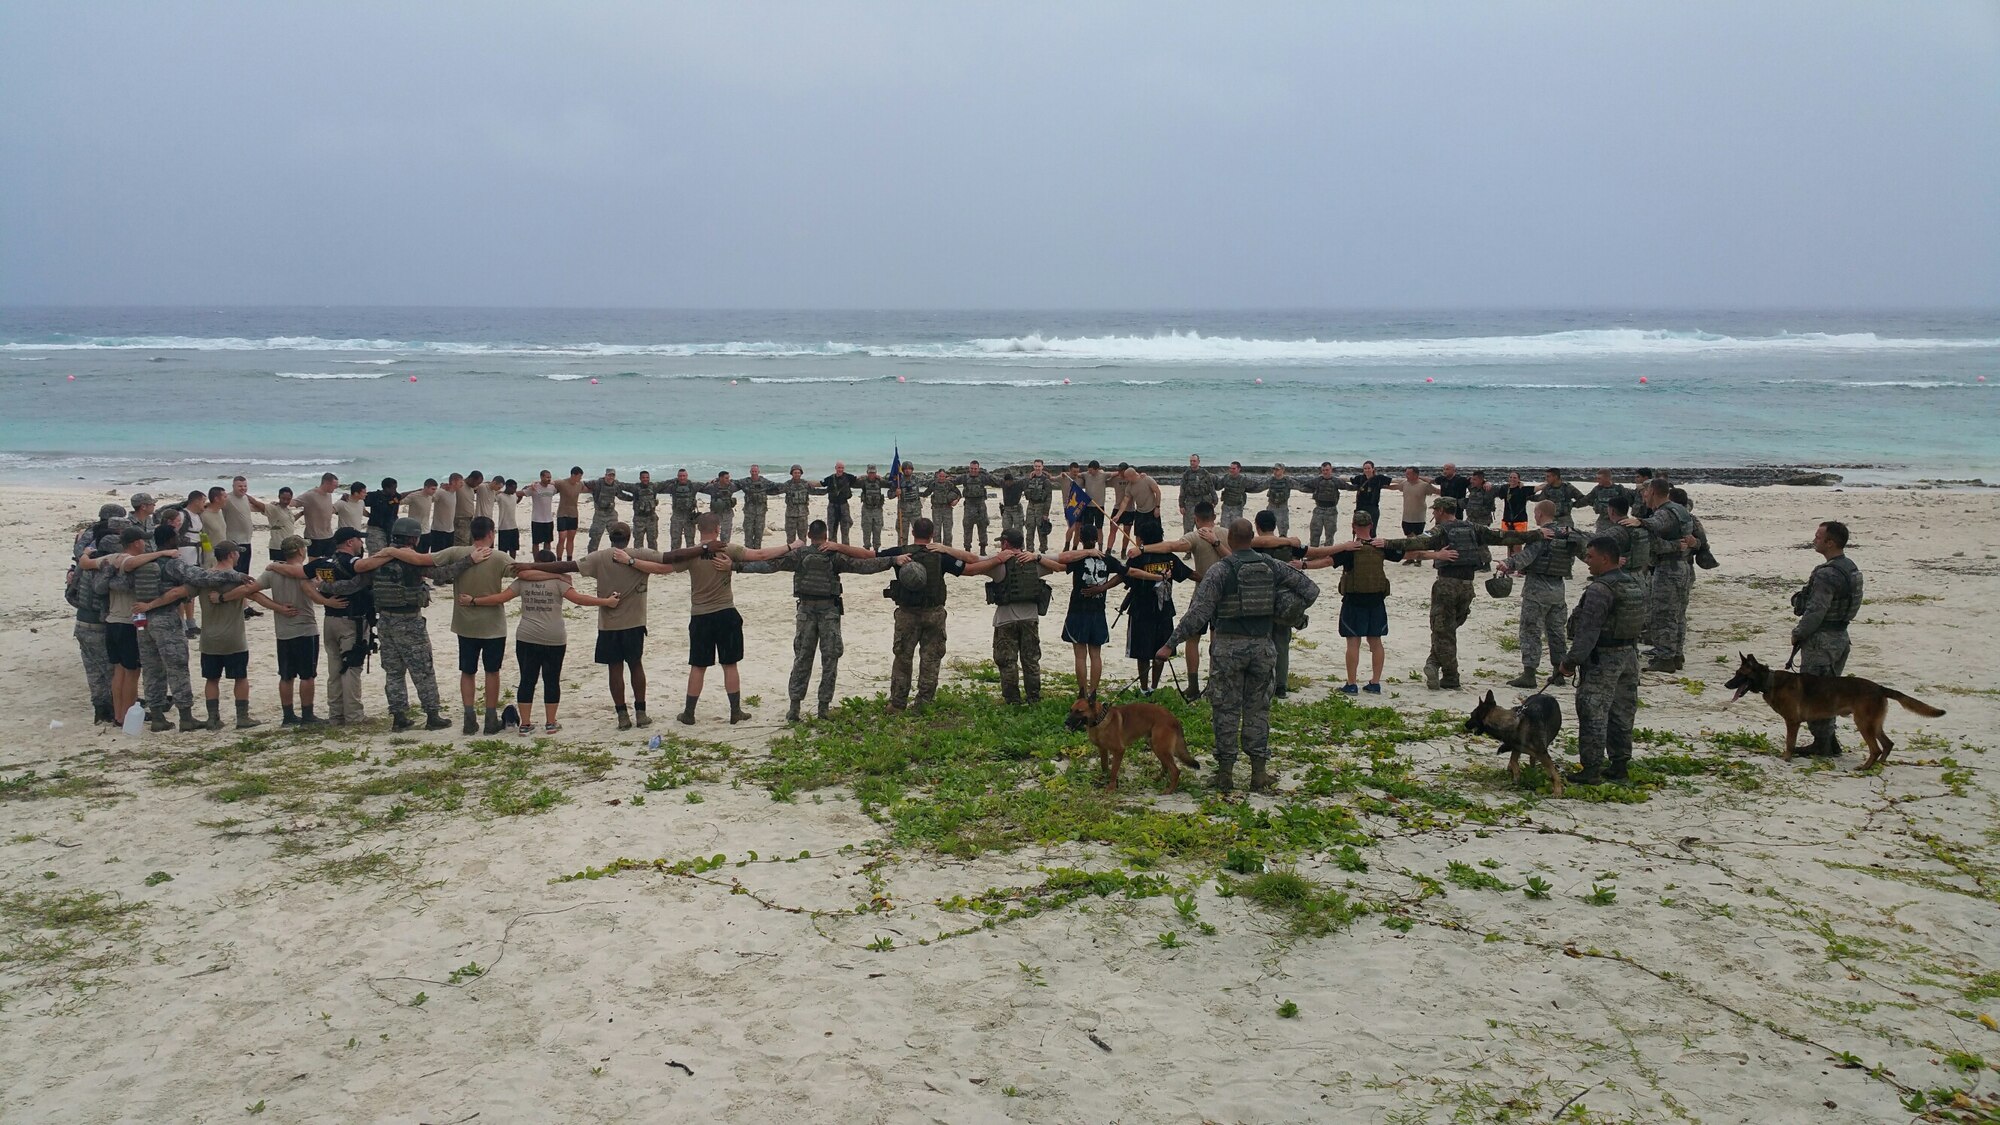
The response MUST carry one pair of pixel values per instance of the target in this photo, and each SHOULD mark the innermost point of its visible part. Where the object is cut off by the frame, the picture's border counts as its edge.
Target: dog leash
(1793, 658)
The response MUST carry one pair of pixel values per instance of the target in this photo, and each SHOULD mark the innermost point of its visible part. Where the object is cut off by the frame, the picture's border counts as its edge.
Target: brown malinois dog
(1799, 698)
(1115, 729)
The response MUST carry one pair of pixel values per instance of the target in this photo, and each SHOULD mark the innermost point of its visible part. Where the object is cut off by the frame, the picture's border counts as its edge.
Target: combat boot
(825, 710)
(1588, 775)
(243, 719)
(1260, 777)
(158, 721)
(214, 714)
(1525, 680)
(639, 716)
(1224, 779)
(188, 721)
(101, 713)
(687, 714)
(736, 712)
(492, 722)
(1617, 770)
(1448, 683)
(471, 724)
(1820, 748)
(792, 714)
(435, 720)
(400, 721)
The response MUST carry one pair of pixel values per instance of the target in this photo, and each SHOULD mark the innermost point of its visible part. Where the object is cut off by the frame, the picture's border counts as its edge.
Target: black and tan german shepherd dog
(1528, 728)
(1799, 699)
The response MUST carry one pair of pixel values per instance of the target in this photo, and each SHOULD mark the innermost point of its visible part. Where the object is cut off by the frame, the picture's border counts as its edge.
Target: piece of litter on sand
(1099, 1042)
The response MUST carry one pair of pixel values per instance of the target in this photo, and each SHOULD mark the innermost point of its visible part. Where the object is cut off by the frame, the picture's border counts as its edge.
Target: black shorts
(621, 646)
(510, 540)
(319, 548)
(298, 658)
(540, 533)
(1127, 519)
(715, 638)
(243, 558)
(435, 541)
(235, 665)
(474, 651)
(1416, 528)
(1092, 517)
(277, 555)
(565, 523)
(121, 645)
(1364, 615)
(1085, 627)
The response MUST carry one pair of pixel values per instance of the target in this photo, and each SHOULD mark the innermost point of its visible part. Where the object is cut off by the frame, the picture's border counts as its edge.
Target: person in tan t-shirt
(567, 491)
(317, 507)
(715, 629)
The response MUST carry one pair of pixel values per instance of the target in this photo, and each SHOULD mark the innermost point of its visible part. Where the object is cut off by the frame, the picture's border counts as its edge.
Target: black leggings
(539, 660)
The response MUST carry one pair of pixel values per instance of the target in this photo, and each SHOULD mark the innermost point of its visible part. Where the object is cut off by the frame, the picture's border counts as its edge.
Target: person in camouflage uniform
(1038, 490)
(682, 492)
(1197, 486)
(1477, 506)
(944, 495)
(645, 498)
(1604, 660)
(973, 484)
(1278, 497)
(1010, 503)
(816, 570)
(396, 577)
(1325, 492)
(1599, 499)
(1238, 597)
(1635, 544)
(1825, 607)
(603, 509)
(839, 488)
(757, 490)
(920, 610)
(722, 501)
(1019, 597)
(1235, 487)
(1672, 530)
(909, 503)
(163, 643)
(1454, 545)
(874, 490)
(1564, 495)
(1546, 565)
(92, 598)
(798, 492)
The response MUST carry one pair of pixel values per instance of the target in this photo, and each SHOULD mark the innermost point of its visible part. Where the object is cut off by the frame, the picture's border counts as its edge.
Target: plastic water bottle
(135, 720)
(139, 622)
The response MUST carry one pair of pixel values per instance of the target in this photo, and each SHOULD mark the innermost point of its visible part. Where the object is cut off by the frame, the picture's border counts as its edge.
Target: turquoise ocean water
(285, 393)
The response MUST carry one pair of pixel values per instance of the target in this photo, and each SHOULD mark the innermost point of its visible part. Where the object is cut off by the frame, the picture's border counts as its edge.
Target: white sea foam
(107, 461)
(801, 378)
(332, 374)
(989, 382)
(1171, 347)
(374, 361)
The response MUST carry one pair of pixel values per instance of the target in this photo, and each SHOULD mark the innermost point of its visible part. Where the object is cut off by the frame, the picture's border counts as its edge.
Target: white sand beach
(349, 926)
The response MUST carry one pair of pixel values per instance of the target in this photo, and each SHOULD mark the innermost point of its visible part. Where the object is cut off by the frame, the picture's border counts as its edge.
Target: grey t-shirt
(291, 592)
(222, 631)
(236, 517)
(541, 620)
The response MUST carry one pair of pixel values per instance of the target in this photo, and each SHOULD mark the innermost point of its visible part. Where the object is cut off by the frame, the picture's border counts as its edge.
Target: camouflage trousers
(753, 527)
(376, 538)
(975, 518)
(163, 653)
(1281, 668)
(1544, 614)
(1666, 610)
(796, 520)
(1284, 514)
(680, 530)
(871, 528)
(839, 520)
(461, 531)
(1038, 526)
(1228, 514)
(1017, 649)
(96, 664)
(1187, 518)
(343, 688)
(727, 521)
(1240, 671)
(1451, 604)
(941, 516)
(1607, 697)
(406, 649)
(1325, 524)
(818, 631)
(916, 628)
(1011, 519)
(1823, 654)
(646, 531)
(600, 522)
(905, 519)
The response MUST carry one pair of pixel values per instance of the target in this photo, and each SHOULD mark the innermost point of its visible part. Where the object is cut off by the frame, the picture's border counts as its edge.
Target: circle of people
(351, 570)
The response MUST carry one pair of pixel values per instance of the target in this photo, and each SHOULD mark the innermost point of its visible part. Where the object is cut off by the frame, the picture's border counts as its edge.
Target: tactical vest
(604, 495)
(910, 498)
(873, 492)
(798, 494)
(1637, 545)
(644, 500)
(338, 568)
(1555, 559)
(1668, 545)
(682, 495)
(1278, 493)
(1020, 584)
(399, 588)
(1326, 492)
(1478, 505)
(756, 494)
(837, 489)
(814, 576)
(721, 499)
(1197, 485)
(932, 595)
(1627, 620)
(147, 581)
(975, 490)
(1235, 490)
(1844, 578)
(1365, 575)
(1561, 496)
(1249, 595)
(1473, 554)
(943, 494)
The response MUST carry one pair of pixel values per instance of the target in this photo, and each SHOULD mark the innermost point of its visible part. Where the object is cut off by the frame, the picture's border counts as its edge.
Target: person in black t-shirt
(1450, 483)
(1368, 485)
(1092, 573)
(1514, 501)
(384, 505)
(1151, 575)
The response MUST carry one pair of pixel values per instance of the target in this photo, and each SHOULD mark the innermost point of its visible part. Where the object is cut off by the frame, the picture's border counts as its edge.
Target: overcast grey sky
(1001, 155)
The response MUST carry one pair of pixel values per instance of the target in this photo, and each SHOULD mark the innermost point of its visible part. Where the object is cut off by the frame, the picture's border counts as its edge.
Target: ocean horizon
(196, 393)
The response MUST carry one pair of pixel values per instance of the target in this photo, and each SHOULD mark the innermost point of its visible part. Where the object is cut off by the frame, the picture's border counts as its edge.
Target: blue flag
(896, 470)
(1075, 502)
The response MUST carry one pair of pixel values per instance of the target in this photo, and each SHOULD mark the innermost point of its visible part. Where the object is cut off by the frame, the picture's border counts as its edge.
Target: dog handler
(1824, 607)
(1604, 657)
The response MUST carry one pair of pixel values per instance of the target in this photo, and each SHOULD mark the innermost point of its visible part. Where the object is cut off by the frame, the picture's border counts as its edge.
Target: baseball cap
(292, 544)
(346, 533)
(111, 512)
(141, 499)
(1445, 504)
